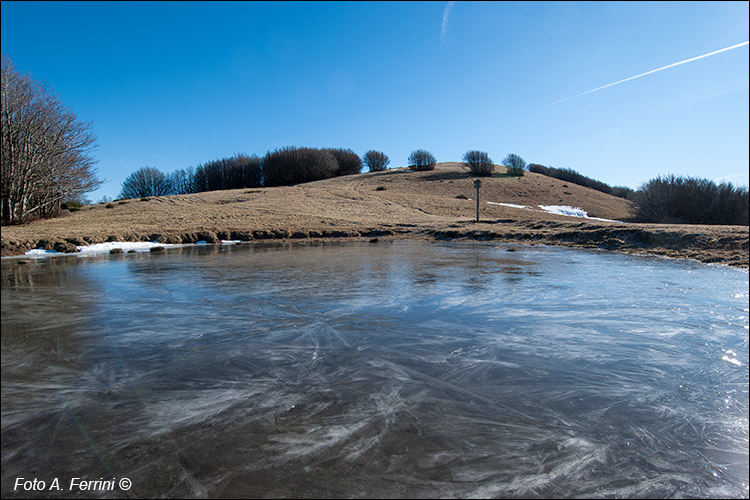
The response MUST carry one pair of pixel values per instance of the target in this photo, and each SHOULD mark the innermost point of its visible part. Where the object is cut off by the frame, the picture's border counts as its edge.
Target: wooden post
(477, 184)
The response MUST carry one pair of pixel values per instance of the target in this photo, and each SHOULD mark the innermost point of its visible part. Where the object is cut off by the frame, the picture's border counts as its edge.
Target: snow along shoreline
(557, 209)
(125, 246)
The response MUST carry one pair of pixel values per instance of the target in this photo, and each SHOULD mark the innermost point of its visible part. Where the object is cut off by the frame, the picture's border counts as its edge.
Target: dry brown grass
(397, 202)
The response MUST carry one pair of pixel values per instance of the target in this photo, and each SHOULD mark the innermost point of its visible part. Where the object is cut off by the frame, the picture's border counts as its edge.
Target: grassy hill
(394, 203)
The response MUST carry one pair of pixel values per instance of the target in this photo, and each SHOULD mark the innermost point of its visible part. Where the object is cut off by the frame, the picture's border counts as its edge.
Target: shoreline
(628, 238)
(396, 203)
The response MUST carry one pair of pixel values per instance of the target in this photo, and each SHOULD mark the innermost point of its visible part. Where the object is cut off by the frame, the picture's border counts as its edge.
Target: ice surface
(410, 369)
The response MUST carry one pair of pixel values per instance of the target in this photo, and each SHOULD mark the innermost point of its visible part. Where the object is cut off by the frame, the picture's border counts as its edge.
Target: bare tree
(182, 181)
(675, 199)
(236, 172)
(146, 181)
(293, 165)
(515, 164)
(46, 151)
(376, 161)
(349, 162)
(421, 160)
(478, 163)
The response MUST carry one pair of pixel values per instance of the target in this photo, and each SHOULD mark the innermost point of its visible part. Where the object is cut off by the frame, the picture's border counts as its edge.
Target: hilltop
(396, 203)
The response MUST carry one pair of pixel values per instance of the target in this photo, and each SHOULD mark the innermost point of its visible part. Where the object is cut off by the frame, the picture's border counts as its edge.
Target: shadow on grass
(441, 176)
(444, 176)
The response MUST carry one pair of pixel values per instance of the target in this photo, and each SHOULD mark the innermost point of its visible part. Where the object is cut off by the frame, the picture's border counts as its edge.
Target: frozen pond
(407, 369)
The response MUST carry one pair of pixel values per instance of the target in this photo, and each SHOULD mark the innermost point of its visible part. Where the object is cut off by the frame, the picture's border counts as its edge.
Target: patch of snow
(125, 246)
(557, 209)
(511, 205)
(571, 212)
(103, 248)
(38, 252)
(564, 210)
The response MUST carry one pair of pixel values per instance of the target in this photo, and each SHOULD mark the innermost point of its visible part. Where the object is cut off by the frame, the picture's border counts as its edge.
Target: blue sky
(173, 84)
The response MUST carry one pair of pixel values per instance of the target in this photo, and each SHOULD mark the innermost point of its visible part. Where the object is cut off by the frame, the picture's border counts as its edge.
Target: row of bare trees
(673, 199)
(46, 151)
(281, 167)
(570, 175)
(480, 164)
(236, 172)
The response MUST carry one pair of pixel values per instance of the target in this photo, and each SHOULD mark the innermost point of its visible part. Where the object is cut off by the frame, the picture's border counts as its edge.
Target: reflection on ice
(731, 357)
(389, 370)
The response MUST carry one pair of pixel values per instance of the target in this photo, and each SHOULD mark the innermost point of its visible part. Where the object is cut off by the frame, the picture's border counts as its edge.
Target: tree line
(671, 199)
(675, 199)
(287, 166)
(570, 175)
(237, 172)
(47, 164)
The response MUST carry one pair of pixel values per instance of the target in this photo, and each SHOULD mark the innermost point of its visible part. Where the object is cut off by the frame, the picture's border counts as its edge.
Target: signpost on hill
(477, 184)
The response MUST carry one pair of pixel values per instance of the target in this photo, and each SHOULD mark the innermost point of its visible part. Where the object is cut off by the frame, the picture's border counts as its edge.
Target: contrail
(446, 15)
(654, 71)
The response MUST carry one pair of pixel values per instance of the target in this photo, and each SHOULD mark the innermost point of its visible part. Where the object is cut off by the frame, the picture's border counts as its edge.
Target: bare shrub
(182, 181)
(349, 162)
(144, 182)
(515, 164)
(570, 175)
(421, 160)
(478, 163)
(622, 192)
(688, 200)
(236, 172)
(72, 206)
(376, 161)
(292, 165)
